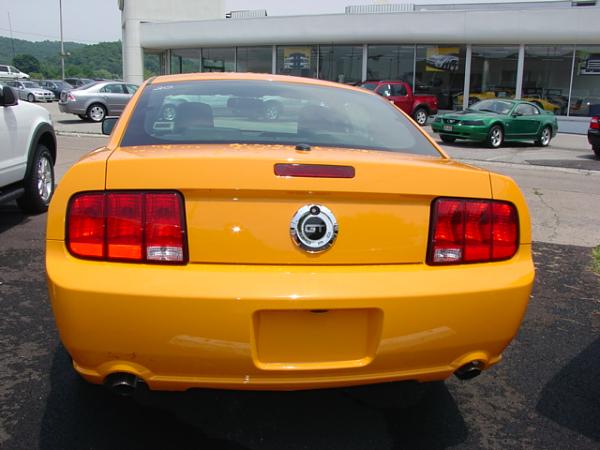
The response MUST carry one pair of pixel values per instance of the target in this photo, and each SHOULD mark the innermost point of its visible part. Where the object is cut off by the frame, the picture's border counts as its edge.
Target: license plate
(447, 127)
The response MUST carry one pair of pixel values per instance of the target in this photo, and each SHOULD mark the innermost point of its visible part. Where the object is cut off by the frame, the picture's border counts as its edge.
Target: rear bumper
(283, 327)
(71, 108)
(594, 137)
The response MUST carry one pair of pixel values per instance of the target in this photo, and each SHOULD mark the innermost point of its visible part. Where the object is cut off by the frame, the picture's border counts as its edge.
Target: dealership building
(544, 51)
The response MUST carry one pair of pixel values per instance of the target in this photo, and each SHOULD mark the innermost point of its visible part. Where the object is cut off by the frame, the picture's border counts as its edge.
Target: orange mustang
(215, 244)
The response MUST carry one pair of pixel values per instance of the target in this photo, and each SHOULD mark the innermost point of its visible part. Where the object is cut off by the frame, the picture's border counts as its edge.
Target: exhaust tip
(469, 370)
(122, 383)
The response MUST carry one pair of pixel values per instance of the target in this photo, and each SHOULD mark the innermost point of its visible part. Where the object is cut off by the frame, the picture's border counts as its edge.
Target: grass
(596, 259)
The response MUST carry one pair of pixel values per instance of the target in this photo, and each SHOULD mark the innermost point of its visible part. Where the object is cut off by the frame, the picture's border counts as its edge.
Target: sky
(91, 21)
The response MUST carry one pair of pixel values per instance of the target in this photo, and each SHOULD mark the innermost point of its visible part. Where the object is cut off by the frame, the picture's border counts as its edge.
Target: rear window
(369, 86)
(266, 112)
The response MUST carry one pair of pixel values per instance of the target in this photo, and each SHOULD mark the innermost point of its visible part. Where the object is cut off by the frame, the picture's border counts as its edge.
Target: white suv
(27, 153)
(12, 73)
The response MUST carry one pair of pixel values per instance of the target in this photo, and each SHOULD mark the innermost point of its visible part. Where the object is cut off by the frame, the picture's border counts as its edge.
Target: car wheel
(39, 183)
(30, 98)
(596, 149)
(495, 137)
(96, 112)
(168, 112)
(545, 137)
(420, 116)
(272, 110)
(447, 139)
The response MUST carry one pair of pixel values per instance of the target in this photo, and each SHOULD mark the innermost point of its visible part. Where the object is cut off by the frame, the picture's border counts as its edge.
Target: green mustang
(494, 121)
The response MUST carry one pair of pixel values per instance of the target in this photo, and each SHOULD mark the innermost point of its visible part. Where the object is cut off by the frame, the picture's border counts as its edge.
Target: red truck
(420, 107)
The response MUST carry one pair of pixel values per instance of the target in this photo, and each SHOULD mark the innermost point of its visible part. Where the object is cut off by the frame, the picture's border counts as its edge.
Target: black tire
(447, 139)
(545, 137)
(421, 115)
(96, 112)
(596, 149)
(83, 117)
(30, 98)
(38, 183)
(495, 137)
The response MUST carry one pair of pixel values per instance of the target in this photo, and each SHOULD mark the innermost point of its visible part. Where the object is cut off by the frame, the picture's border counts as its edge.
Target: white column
(274, 60)
(365, 60)
(133, 54)
(467, 86)
(520, 67)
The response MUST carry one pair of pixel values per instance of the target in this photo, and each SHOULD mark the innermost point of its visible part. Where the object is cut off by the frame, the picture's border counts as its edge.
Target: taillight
(469, 231)
(314, 171)
(127, 226)
(595, 123)
(70, 97)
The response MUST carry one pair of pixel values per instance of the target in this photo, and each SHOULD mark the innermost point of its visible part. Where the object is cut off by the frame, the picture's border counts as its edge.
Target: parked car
(31, 91)
(337, 247)
(420, 107)
(594, 135)
(443, 62)
(95, 101)
(55, 86)
(78, 82)
(28, 153)
(12, 73)
(496, 121)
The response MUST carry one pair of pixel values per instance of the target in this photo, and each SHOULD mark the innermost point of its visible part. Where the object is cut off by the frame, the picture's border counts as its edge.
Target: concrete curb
(478, 162)
(78, 133)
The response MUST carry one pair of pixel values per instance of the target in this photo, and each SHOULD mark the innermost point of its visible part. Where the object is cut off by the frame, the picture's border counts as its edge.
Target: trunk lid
(239, 212)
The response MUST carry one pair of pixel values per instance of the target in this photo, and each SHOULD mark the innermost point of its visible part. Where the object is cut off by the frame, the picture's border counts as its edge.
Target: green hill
(103, 60)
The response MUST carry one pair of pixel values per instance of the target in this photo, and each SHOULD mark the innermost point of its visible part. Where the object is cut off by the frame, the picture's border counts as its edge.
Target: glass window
(391, 62)
(264, 112)
(300, 61)
(131, 88)
(495, 106)
(493, 73)
(341, 63)
(585, 94)
(547, 75)
(151, 64)
(398, 90)
(218, 60)
(185, 60)
(440, 71)
(3, 69)
(113, 89)
(255, 59)
(526, 110)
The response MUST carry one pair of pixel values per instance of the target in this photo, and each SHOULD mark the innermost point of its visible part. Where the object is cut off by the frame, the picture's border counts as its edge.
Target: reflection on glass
(185, 60)
(440, 70)
(254, 59)
(391, 62)
(493, 73)
(547, 75)
(585, 97)
(341, 63)
(300, 61)
(218, 60)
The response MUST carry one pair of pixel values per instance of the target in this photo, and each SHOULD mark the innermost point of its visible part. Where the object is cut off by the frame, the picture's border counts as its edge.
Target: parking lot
(545, 394)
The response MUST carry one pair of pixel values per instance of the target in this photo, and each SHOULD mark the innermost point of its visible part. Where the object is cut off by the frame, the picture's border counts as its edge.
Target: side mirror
(108, 124)
(8, 97)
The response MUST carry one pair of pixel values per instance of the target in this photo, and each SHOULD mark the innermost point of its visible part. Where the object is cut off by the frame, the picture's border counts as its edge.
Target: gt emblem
(314, 228)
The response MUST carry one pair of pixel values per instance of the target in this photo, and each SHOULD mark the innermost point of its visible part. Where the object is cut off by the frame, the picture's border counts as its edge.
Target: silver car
(31, 91)
(96, 101)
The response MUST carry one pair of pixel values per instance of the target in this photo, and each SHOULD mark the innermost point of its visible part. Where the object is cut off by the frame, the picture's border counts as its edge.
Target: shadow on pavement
(572, 397)
(78, 415)
(11, 216)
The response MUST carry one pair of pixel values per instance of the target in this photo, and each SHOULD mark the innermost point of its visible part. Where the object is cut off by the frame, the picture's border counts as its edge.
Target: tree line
(41, 60)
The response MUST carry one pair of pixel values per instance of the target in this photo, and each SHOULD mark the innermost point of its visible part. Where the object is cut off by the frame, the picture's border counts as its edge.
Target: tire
(495, 137)
(273, 110)
(82, 117)
(96, 112)
(596, 149)
(447, 139)
(30, 98)
(421, 115)
(169, 112)
(545, 137)
(38, 183)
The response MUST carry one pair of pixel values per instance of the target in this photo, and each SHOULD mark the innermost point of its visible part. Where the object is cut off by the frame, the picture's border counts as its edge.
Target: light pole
(62, 44)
